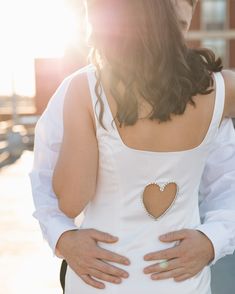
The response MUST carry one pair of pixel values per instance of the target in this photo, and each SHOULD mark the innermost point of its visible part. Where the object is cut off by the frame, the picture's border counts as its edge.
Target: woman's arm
(229, 107)
(74, 177)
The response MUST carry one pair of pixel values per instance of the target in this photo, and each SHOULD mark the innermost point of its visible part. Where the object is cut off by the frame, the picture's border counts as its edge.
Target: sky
(31, 29)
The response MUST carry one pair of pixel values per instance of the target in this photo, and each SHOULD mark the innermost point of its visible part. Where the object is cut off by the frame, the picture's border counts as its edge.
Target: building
(214, 27)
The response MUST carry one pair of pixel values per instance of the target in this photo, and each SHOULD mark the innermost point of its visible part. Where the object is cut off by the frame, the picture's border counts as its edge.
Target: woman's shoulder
(78, 85)
(78, 75)
(77, 98)
(81, 71)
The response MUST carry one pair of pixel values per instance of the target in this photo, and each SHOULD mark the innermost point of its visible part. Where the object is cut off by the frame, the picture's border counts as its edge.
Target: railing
(222, 34)
(14, 139)
(24, 105)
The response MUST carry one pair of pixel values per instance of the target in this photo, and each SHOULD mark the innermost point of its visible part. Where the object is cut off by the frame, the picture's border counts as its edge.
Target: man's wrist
(59, 244)
(54, 227)
(217, 234)
(211, 247)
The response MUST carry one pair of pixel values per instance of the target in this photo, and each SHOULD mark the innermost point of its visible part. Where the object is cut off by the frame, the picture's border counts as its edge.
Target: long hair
(142, 43)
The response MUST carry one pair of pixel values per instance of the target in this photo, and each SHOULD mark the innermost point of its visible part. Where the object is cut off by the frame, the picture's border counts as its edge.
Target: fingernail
(127, 262)
(125, 275)
(154, 277)
(162, 237)
(114, 237)
(145, 271)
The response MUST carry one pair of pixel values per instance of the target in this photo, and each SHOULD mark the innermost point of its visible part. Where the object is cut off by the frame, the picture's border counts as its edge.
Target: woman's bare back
(183, 132)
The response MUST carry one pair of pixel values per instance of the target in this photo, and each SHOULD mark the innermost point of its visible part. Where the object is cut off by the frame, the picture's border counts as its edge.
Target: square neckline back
(218, 81)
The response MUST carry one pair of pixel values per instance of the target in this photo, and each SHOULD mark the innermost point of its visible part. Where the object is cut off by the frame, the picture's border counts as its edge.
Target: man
(204, 245)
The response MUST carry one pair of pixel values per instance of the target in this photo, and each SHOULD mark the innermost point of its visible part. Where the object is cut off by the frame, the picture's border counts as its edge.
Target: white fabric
(217, 189)
(117, 207)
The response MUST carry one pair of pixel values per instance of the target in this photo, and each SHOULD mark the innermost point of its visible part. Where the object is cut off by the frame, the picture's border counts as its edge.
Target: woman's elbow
(56, 184)
(69, 211)
(63, 201)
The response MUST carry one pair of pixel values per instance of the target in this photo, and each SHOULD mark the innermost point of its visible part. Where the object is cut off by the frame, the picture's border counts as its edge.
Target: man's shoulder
(226, 131)
(227, 123)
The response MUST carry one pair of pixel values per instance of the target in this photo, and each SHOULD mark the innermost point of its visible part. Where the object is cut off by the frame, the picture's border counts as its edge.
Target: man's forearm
(217, 193)
(52, 221)
(221, 235)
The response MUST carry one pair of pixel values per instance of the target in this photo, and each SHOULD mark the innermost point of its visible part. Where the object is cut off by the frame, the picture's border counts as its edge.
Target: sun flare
(32, 29)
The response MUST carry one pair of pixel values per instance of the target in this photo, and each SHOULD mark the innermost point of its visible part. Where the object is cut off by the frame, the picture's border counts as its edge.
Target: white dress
(118, 208)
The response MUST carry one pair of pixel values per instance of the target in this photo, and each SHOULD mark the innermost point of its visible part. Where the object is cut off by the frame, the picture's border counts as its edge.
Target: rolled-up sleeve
(217, 193)
(48, 138)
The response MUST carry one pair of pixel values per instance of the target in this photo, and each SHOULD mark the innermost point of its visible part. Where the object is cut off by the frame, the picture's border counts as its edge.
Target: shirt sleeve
(48, 138)
(217, 193)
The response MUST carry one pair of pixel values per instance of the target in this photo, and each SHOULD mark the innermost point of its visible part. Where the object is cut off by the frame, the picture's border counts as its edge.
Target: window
(214, 18)
(214, 14)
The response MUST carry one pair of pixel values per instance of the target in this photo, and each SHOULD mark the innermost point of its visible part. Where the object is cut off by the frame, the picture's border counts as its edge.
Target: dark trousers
(63, 270)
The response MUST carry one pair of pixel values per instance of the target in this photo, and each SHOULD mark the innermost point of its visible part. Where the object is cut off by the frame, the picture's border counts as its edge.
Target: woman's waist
(135, 252)
(134, 207)
(136, 242)
(136, 224)
(139, 283)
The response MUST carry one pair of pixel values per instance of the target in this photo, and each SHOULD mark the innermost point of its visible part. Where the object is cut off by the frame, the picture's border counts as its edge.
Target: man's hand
(185, 260)
(79, 248)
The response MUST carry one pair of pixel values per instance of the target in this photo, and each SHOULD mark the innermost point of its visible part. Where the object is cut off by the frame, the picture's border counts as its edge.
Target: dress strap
(219, 99)
(91, 82)
(218, 107)
(107, 116)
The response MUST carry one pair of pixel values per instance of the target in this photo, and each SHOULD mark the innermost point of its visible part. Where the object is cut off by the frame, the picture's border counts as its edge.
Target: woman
(133, 159)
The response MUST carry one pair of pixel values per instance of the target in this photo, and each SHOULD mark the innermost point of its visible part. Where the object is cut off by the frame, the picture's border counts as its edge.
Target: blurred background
(43, 41)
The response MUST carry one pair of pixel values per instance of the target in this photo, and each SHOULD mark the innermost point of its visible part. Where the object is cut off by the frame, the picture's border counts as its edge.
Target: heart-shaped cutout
(158, 199)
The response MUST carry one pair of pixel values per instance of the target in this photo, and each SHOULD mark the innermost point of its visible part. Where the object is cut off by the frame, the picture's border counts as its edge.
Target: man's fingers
(163, 254)
(112, 256)
(174, 236)
(169, 274)
(104, 277)
(155, 268)
(102, 236)
(110, 269)
(92, 282)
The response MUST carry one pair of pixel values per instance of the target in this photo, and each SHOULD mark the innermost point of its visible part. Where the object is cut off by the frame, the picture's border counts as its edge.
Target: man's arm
(48, 138)
(78, 247)
(217, 193)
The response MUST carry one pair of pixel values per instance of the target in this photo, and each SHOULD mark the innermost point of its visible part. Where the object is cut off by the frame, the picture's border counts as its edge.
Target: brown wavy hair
(142, 44)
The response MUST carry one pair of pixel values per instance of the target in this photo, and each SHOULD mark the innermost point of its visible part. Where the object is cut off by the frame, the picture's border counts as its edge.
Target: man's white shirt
(216, 195)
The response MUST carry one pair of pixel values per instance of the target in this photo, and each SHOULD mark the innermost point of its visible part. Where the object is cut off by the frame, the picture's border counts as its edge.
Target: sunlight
(31, 29)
